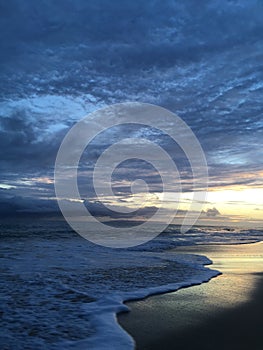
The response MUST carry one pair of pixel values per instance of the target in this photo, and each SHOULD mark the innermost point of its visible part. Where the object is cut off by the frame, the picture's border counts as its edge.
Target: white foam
(76, 288)
(109, 334)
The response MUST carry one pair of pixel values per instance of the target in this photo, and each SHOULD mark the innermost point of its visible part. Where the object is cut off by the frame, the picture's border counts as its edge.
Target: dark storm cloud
(64, 47)
(18, 205)
(212, 212)
(188, 24)
(97, 209)
(19, 144)
(203, 60)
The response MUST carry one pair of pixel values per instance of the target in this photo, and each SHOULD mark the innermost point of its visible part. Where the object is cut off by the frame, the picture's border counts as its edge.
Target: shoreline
(210, 315)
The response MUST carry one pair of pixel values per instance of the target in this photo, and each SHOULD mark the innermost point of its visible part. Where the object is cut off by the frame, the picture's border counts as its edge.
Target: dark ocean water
(60, 291)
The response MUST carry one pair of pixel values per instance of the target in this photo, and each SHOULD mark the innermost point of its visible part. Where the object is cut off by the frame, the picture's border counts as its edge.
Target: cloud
(57, 67)
(97, 209)
(16, 205)
(212, 212)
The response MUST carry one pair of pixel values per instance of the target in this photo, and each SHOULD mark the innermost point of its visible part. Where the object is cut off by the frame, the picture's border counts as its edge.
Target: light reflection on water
(241, 266)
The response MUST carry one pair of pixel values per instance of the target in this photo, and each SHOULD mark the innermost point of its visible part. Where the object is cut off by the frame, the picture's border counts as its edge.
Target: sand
(225, 313)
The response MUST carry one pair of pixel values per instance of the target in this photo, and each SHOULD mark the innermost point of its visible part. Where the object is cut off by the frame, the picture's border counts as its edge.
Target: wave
(109, 334)
(59, 291)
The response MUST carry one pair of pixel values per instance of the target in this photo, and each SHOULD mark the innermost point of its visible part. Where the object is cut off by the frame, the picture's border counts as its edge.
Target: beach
(225, 313)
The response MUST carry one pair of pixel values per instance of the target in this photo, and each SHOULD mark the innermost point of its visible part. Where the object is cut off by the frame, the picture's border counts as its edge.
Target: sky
(202, 60)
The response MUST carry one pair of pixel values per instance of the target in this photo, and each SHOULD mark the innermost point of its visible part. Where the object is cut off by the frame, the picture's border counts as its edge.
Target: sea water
(59, 291)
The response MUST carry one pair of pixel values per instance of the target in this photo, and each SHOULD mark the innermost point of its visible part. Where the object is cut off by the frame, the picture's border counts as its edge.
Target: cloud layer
(62, 61)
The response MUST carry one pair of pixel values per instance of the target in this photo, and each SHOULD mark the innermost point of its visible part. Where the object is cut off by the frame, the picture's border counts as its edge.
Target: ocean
(59, 291)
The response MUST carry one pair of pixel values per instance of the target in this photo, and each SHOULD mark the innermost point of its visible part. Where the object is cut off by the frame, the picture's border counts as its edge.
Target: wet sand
(225, 313)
